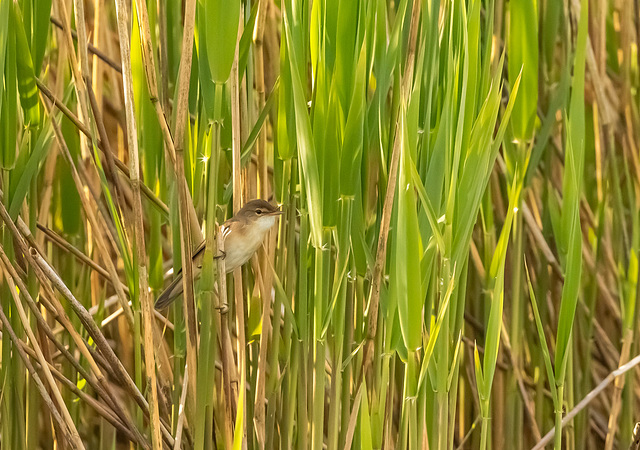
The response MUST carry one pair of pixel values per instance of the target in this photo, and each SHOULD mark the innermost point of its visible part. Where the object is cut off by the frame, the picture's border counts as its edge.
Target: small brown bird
(243, 234)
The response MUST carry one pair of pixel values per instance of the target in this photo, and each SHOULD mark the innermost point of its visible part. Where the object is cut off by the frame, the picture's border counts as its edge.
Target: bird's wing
(226, 227)
(170, 293)
(199, 251)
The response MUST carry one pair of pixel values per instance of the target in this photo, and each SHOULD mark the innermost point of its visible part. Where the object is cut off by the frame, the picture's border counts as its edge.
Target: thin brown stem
(146, 302)
(92, 48)
(381, 253)
(68, 425)
(234, 85)
(83, 128)
(6, 327)
(92, 215)
(187, 226)
(228, 372)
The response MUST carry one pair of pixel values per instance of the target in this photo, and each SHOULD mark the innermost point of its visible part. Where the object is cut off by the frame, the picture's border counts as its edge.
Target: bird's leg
(224, 308)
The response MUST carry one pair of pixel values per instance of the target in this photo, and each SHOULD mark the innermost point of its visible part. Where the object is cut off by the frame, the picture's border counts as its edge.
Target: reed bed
(456, 266)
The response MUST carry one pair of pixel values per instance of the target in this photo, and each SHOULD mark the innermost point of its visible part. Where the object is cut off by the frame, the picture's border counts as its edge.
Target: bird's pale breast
(243, 241)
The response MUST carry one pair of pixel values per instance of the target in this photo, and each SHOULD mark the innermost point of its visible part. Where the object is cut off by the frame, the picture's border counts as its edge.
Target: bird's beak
(277, 213)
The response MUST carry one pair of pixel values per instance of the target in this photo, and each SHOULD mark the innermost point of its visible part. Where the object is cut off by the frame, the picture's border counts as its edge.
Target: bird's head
(260, 212)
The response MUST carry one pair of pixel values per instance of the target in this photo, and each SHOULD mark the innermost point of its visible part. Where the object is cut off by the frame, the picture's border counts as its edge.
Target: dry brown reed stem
(44, 326)
(82, 84)
(259, 404)
(616, 402)
(222, 324)
(99, 26)
(63, 244)
(69, 426)
(91, 214)
(181, 412)
(184, 205)
(635, 438)
(101, 409)
(261, 150)
(83, 128)
(92, 48)
(236, 139)
(109, 167)
(21, 232)
(6, 327)
(159, 317)
(53, 306)
(111, 360)
(381, 253)
(588, 399)
(90, 182)
(47, 188)
(146, 301)
(150, 73)
(353, 418)
(75, 70)
(587, 254)
(46, 272)
(529, 407)
(171, 146)
(95, 378)
(163, 54)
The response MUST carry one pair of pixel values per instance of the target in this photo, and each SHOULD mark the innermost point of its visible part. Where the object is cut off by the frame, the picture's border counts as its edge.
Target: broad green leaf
(305, 141)
(543, 340)
(475, 174)
(4, 33)
(26, 76)
(207, 85)
(247, 38)
(557, 103)
(238, 434)
(629, 305)
(222, 36)
(429, 210)
(496, 274)
(68, 215)
(550, 23)
(328, 148)
(286, 127)
(434, 330)
(247, 147)
(9, 121)
(37, 156)
(366, 437)
(350, 165)
(479, 374)
(151, 146)
(572, 189)
(41, 19)
(406, 278)
(523, 58)
(346, 57)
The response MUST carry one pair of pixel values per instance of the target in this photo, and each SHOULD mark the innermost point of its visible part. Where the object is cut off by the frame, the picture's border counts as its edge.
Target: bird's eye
(258, 211)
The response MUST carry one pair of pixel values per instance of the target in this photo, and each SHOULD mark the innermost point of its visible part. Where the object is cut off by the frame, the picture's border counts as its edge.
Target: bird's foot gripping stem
(223, 309)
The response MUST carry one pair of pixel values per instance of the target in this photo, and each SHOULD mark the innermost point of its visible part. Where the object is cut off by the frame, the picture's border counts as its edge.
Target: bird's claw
(223, 255)
(223, 309)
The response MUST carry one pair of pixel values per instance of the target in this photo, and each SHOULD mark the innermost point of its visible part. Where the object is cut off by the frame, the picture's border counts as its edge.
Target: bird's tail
(170, 293)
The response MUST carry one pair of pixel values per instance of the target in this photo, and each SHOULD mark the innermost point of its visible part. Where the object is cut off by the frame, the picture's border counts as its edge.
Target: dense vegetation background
(457, 262)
